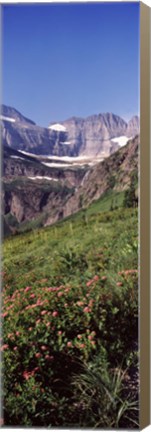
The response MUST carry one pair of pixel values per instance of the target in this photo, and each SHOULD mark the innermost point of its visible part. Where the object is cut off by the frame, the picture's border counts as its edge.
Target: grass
(71, 356)
(104, 204)
(71, 246)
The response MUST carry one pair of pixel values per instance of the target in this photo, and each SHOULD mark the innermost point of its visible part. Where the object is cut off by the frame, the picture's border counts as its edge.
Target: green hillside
(70, 308)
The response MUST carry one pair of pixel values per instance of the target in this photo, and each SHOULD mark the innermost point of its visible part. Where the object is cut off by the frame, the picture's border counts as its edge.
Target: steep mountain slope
(17, 164)
(32, 190)
(23, 134)
(113, 173)
(76, 136)
(26, 200)
(51, 198)
(92, 136)
(133, 126)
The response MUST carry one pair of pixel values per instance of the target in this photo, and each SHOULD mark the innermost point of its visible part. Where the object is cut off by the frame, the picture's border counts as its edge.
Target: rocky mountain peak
(12, 113)
(91, 136)
(133, 127)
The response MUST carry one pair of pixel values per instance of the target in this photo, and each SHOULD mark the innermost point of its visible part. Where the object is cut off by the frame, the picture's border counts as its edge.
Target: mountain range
(44, 180)
(96, 135)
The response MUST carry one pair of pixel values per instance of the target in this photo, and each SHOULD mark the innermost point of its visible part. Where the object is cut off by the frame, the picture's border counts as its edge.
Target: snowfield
(57, 127)
(9, 119)
(121, 140)
(66, 142)
(16, 157)
(42, 178)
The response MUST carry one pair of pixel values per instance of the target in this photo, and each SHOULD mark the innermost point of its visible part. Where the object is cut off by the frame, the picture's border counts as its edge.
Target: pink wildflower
(89, 283)
(26, 375)
(38, 355)
(48, 324)
(79, 336)
(3, 347)
(119, 284)
(59, 333)
(82, 345)
(67, 289)
(80, 303)
(103, 278)
(91, 302)
(93, 343)
(17, 333)
(27, 289)
(43, 348)
(93, 333)
(38, 321)
(15, 348)
(60, 294)
(10, 335)
(96, 278)
(69, 344)
(43, 312)
(86, 309)
(32, 295)
(55, 313)
(48, 357)
(10, 307)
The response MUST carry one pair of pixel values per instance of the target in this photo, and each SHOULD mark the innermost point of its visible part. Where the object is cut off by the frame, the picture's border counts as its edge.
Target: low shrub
(50, 332)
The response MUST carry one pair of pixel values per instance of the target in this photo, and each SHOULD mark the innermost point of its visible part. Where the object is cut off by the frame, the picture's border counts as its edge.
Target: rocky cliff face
(31, 190)
(15, 164)
(76, 136)
(113, 173)
(26, 199)
(92, 136)
(133, 126)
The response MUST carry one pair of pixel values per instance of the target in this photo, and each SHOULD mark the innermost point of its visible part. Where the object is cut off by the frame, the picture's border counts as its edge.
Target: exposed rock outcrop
(76, 136)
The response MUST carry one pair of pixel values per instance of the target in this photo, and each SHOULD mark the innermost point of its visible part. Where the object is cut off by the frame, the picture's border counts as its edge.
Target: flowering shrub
(49, 332)
(69, 316)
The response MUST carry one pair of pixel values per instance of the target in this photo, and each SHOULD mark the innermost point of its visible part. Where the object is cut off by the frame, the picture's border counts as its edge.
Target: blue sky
(64, 60)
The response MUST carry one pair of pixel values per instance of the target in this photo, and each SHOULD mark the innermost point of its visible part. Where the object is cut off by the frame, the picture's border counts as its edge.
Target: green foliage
(70, 310)
(130, 199)
(111, 181)
(99, 398)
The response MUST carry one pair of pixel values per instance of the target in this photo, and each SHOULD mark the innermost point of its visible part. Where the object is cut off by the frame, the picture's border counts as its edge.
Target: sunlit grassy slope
(70, 309)
(89, 241)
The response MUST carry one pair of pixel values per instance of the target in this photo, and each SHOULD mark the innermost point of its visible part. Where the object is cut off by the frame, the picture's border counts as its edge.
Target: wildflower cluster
(46, 330)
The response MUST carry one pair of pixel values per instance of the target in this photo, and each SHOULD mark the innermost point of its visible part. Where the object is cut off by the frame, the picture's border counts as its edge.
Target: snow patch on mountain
(57, 127)
(121, 140)
(27, 153)
(56, 165)
(9, 119)
(65, 142)
(16, 157)
(42, 178)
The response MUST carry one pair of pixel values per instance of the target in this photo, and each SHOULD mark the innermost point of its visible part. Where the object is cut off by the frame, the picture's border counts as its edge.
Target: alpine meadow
(70, 209)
